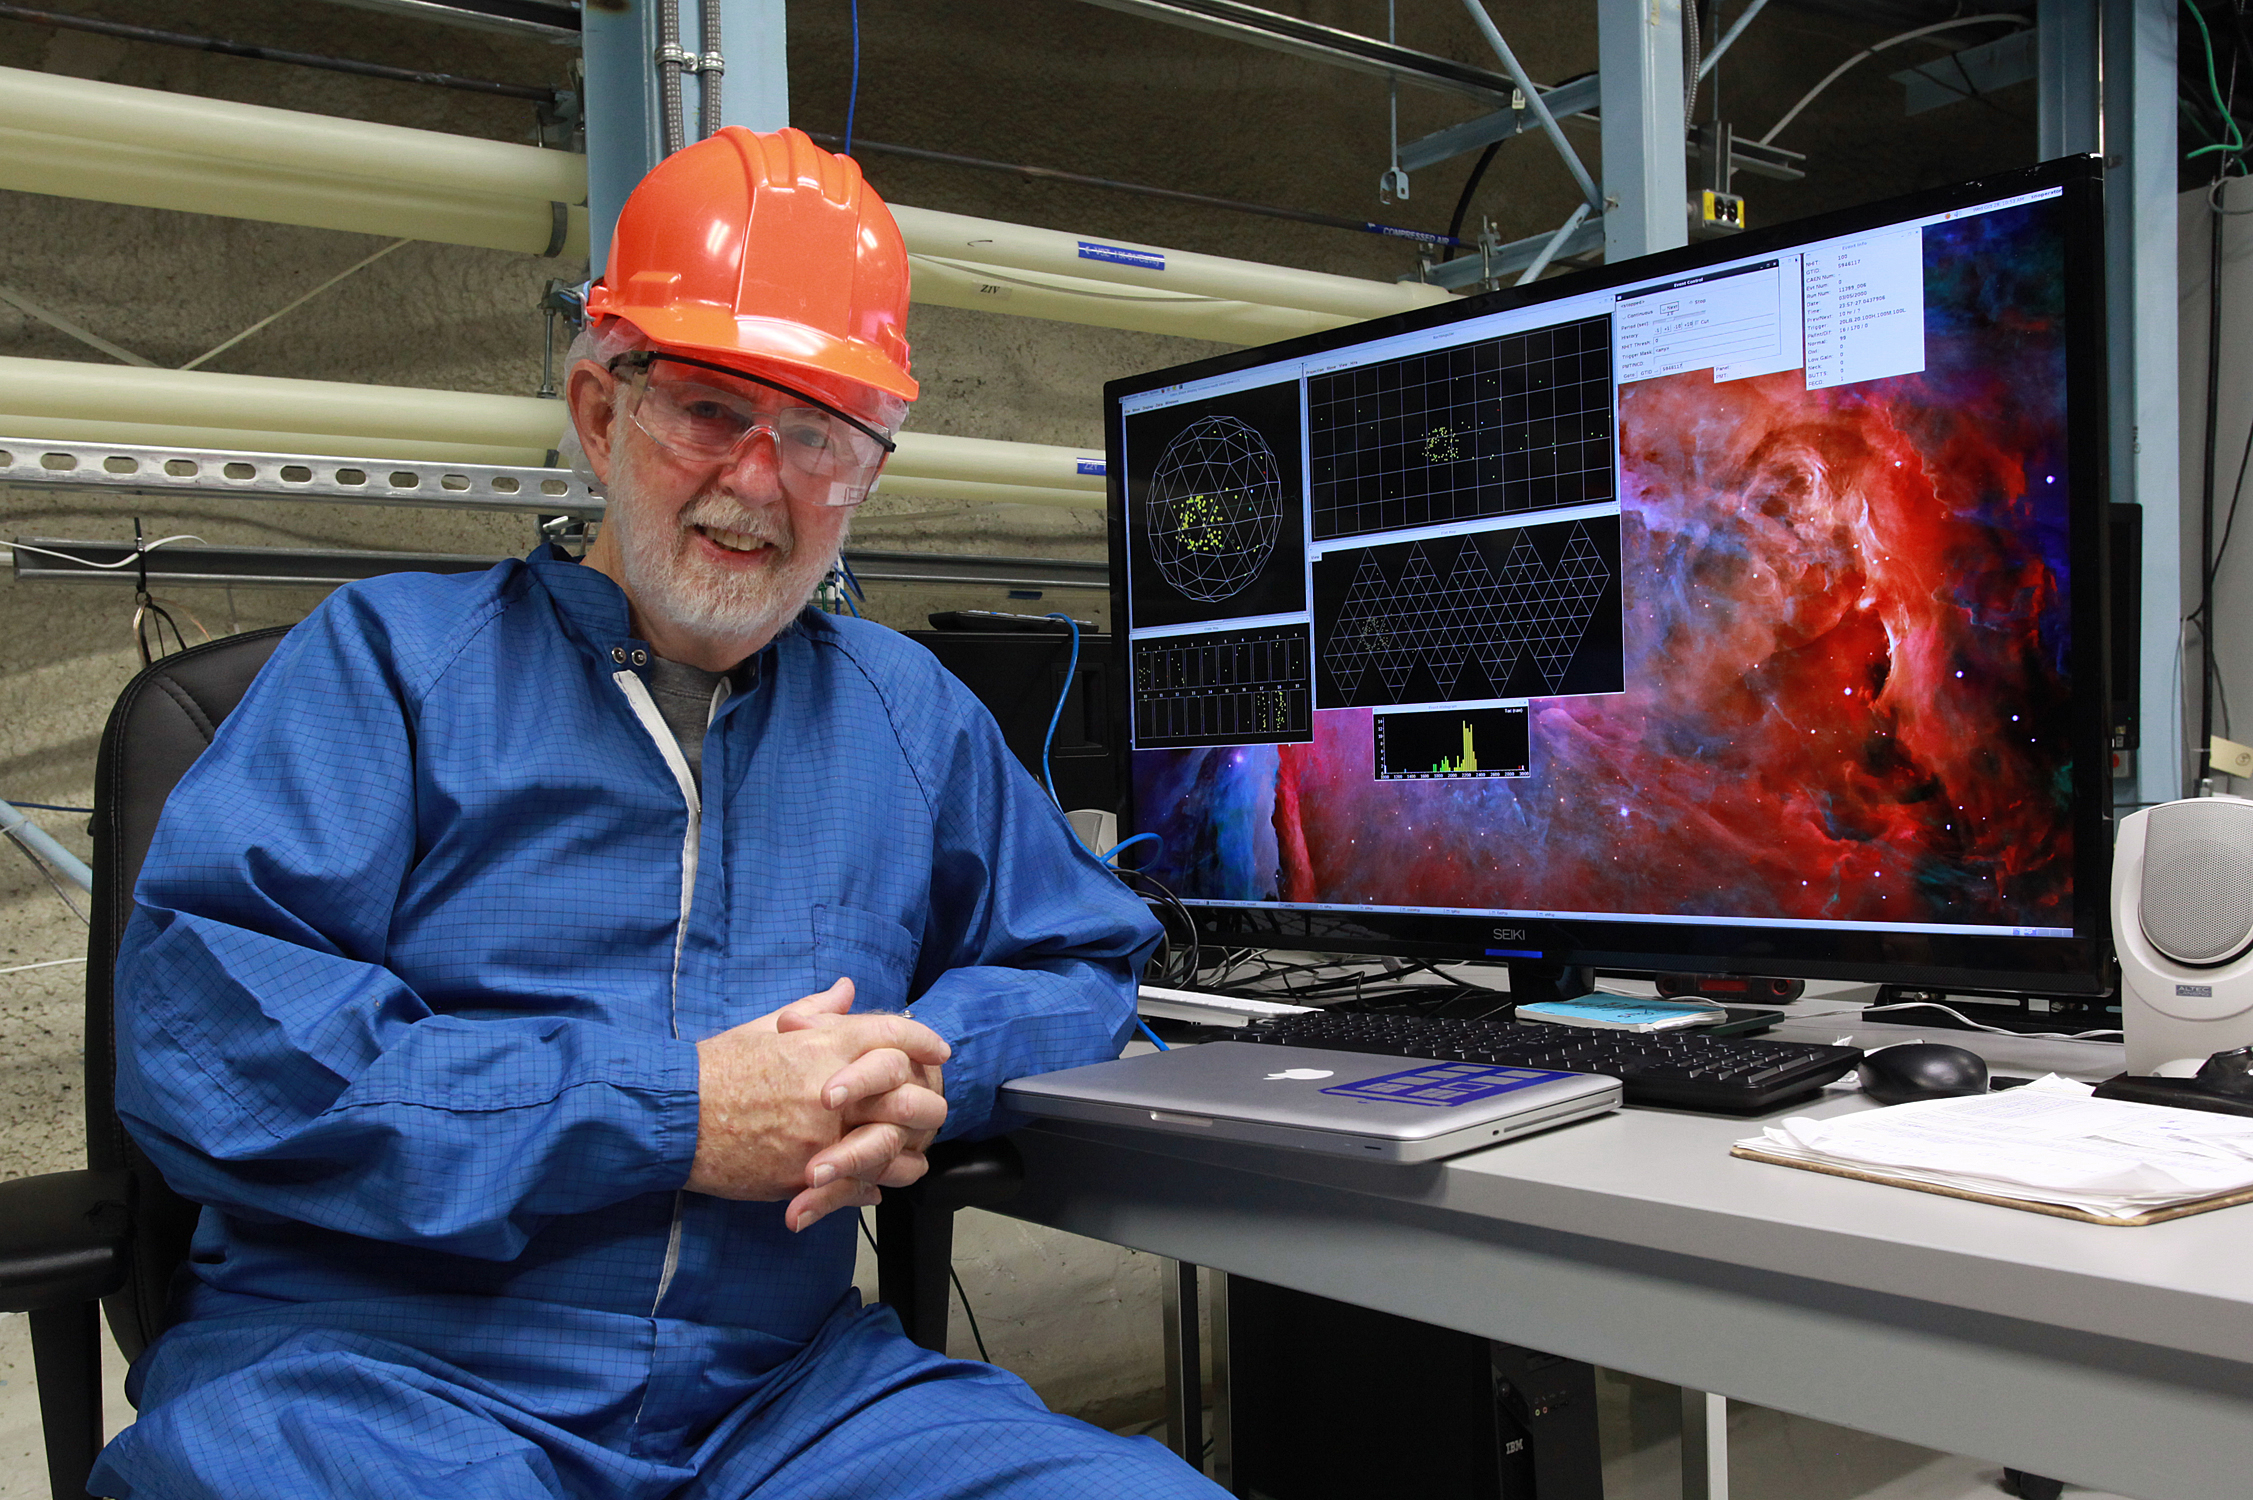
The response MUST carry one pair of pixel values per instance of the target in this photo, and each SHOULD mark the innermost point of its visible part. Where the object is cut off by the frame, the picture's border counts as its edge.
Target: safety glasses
(824, 455)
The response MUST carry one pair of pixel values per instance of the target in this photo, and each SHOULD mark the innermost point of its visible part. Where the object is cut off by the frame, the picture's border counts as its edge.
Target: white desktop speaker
(2182, 924)
(1097, 829)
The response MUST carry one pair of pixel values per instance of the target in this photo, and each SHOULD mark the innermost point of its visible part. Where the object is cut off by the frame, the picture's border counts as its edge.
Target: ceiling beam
(1326, 44)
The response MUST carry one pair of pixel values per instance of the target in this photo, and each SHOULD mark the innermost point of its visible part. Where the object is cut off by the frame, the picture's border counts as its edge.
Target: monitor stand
(1535, 981)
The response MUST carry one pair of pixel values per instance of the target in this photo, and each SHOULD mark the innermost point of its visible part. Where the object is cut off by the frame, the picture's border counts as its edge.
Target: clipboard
(2054, 1210)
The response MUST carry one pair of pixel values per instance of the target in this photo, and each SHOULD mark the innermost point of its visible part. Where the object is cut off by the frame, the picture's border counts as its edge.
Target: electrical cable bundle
(2229, 149)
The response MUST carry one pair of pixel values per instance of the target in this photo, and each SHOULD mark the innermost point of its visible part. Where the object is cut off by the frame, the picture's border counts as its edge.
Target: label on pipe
(1120, 255)
(1092, 466)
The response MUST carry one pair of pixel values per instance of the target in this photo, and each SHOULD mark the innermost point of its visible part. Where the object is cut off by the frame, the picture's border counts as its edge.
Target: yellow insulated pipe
(1125, 264)
(971, 491)
(203, 408)
(261, 136)
(935, 456)
(77, 138)
(150, 178)
(1095, 304)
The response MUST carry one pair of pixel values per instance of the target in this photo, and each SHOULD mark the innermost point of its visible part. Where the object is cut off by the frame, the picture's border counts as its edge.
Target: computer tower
(1326, 1400)
(1017, 675)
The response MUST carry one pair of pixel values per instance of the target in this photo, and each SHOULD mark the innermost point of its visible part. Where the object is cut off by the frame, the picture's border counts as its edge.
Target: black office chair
(114, 1234)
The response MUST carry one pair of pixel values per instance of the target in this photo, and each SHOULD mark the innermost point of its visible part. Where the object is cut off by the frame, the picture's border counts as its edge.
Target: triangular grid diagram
(1476, 613)
(1415, 606)
(1524, 580)
(1534, 608)
(1364, 628)
(1567, 604)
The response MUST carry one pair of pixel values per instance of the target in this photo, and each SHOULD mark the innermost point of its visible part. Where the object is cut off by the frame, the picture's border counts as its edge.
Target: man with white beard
(538, 961)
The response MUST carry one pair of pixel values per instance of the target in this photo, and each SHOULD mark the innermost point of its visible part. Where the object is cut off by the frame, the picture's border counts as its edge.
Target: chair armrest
(915, 1229)
(968, 1174)
(63, 1237)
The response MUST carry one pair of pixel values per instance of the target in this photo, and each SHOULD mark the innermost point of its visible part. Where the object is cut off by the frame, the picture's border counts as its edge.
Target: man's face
(715, 556)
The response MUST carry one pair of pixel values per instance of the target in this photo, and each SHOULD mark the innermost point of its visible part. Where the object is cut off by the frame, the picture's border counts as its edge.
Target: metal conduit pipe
(670, 124)
(709, 71)
(199, 409)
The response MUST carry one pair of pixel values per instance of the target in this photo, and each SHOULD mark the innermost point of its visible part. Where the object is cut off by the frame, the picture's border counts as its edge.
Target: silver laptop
(1345, 1103)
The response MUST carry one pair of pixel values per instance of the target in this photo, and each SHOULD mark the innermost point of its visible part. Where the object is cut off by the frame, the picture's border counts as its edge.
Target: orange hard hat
(768, 249)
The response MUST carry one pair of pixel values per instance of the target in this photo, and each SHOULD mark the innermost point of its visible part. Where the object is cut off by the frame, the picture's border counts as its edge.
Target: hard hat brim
(715, 333)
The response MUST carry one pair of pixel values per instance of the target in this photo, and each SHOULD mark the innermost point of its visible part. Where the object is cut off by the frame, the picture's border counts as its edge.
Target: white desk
(2120, 1358)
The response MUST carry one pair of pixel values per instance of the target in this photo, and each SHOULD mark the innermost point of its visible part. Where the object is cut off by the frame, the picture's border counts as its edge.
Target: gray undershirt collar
(684, 697)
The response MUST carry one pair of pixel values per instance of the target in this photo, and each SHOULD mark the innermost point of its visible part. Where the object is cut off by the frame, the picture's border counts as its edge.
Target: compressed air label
(1092, 466)
(1421, 236)
(1445, 1085)
(1120, 255)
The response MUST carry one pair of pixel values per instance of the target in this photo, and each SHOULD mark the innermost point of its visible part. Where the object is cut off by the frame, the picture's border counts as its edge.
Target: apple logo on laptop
(1302, 1075)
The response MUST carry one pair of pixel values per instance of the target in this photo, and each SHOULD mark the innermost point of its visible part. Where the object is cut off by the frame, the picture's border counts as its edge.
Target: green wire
(2236, 144)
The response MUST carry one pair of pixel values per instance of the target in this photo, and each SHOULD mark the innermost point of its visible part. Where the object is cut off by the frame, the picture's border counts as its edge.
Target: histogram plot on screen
(1216, 509)
(1452, 744)
(1512, 612)
(1511, 424)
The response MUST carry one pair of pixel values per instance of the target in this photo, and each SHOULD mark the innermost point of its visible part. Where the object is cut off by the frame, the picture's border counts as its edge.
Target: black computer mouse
(1922, 1070)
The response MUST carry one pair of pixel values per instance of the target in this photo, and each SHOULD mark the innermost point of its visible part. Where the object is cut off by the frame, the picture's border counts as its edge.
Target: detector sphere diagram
(1215, 507)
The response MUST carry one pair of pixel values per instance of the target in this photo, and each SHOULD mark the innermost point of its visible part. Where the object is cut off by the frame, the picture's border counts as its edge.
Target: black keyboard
(1727, 1073)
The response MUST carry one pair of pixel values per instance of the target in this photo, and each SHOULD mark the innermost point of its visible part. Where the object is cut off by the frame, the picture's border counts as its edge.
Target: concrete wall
(1048, 82)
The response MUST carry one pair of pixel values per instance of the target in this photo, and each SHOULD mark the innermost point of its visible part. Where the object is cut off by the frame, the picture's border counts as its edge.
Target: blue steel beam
(625, 112)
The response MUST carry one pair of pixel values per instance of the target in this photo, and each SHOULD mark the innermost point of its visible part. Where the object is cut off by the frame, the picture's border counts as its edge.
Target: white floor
(1771, 1457)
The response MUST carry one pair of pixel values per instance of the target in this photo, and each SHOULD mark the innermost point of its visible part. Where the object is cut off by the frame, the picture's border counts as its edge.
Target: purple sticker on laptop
(1445, 1085)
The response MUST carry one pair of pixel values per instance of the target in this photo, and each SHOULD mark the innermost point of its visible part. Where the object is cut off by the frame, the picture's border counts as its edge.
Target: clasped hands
(817, 1105)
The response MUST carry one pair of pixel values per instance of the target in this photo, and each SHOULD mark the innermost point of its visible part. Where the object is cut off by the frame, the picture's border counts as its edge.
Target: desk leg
(1222, 1469)
(1705, 1446)
(1185, 1374)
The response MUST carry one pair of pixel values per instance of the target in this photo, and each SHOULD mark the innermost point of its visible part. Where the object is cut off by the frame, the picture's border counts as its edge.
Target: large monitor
(1734, 610)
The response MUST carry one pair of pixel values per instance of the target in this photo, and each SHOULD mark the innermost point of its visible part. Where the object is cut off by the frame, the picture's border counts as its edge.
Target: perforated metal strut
(126, 468)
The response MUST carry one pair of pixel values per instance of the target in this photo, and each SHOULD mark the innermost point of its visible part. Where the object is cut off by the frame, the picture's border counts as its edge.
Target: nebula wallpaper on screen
(1846, 643)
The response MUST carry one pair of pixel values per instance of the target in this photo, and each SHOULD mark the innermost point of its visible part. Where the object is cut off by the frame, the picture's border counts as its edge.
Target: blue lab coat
(409, 1002)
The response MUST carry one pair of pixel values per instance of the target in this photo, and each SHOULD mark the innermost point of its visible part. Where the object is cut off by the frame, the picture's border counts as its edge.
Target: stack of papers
(2047, 1143)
